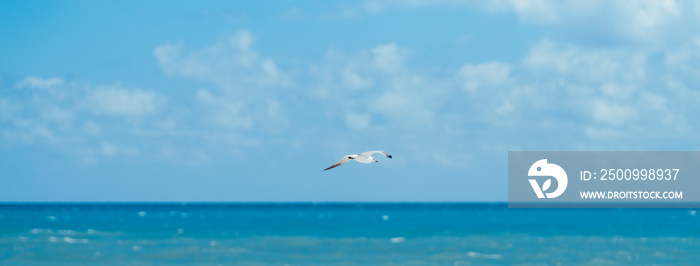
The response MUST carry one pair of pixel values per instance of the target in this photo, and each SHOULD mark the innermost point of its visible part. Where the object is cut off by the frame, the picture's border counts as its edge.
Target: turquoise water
(362, 233)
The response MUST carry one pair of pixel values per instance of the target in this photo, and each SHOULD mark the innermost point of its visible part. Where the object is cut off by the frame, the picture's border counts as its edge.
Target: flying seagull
(365, 157)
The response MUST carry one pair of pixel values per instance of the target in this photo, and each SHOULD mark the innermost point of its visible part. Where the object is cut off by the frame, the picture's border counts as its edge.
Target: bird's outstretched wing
(342, 161)
(369, 153)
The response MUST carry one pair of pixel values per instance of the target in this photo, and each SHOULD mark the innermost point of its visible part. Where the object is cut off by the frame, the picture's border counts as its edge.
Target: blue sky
(235, 101)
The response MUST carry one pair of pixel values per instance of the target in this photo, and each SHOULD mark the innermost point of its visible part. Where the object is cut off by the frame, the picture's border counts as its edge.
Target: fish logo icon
(542, 168)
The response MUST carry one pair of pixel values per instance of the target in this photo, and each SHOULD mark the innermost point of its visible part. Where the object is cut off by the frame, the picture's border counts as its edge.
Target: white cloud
(611, 113)
(505, 109)
(198, 157)
(396, 92)
(69, 116)
(648, 18)
(223, 112)
(343, 73)
(653, 101)
(606, 92)
(453, 160)
(656, 111)
(41, 114)
(528, 10)
(51, 112)
(378, 88)
(270, 69)
(609, 86)
(229, 63)
(603, 92)
(483, 75)
(91, 128)
(352, 79)
(602, 133)
(560, 89)
(243, 41)
(242, 86)
(30, 131)
(590, 65)
(405, 108)
(36, 82)
(618, 91)
(291, 13)
(389, 57)
(685, 59)
(604, 89)
(115, 100)
(109, 149)
(645, 20)
(274, 109)
(5, 106)
(357, 121)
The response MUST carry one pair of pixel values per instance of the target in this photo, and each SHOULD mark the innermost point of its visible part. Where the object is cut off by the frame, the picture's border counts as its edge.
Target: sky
(235, 101)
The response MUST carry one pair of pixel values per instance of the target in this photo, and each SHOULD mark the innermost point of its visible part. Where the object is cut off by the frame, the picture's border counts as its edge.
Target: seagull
(365, 157)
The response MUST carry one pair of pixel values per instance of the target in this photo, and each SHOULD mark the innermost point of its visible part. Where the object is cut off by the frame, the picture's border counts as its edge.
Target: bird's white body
(365, 157)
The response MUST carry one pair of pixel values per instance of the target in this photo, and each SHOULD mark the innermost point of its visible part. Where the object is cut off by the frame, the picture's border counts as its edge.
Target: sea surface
(343, 234)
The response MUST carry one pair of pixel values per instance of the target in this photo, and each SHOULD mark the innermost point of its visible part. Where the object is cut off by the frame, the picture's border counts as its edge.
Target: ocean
(342, 234)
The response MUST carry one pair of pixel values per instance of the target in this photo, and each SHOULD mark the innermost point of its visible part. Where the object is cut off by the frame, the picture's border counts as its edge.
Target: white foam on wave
(142, 214)
(623, 255)
(397, 239)
(40, 231)
(692, 212)
(214, 243)
(385, 217)
(136, 248)
(23, 239)
(473, 254)
(53, 239)
(66, 232)
(50, 218)
(70, 240)
(103, 233)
